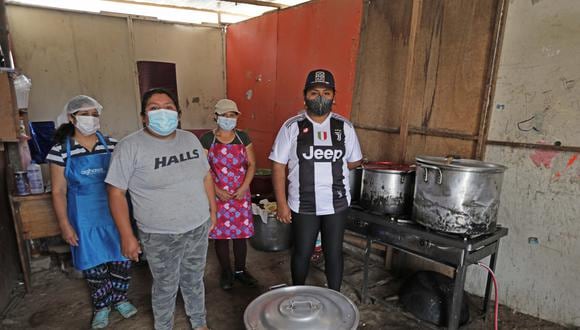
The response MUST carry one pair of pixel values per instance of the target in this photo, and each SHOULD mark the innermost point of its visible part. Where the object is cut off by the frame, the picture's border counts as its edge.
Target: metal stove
(449, 249)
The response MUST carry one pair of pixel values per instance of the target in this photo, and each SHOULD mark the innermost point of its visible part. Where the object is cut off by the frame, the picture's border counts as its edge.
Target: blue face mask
(227, 124)
(162, 122)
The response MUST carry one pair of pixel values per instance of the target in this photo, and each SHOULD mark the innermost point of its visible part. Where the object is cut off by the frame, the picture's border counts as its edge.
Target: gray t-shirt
(165, 181)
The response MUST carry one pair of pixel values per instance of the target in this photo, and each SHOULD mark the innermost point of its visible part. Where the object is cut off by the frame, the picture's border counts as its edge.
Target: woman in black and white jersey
(78, 165)
(318, 147)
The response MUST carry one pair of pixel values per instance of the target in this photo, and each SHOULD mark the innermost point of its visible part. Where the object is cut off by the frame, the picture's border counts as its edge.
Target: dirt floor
(61, 301)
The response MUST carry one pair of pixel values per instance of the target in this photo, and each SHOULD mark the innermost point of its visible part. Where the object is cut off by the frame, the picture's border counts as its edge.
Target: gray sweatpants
(177, 261)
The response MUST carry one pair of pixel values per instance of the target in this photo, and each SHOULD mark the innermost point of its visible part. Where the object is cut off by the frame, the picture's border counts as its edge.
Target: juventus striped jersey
(317, 157)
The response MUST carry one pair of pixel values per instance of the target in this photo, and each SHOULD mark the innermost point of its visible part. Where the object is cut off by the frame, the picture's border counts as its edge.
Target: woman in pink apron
(231, 158)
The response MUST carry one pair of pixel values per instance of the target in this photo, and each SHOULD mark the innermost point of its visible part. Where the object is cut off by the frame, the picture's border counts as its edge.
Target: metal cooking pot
(271, 236)
(301, 307)
(388, 188)
(457, 195)
(355, 181)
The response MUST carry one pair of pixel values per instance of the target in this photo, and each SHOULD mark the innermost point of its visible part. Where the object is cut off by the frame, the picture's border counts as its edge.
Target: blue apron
(88, 209)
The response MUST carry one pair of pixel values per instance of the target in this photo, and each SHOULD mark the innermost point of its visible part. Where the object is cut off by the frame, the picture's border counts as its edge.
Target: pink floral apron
(229, 163)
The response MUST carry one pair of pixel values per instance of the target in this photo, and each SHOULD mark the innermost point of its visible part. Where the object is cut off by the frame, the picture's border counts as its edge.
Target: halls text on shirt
(165, 161)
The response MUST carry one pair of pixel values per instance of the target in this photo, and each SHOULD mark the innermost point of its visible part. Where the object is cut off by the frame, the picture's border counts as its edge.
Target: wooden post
(415, 21)
(493, 66)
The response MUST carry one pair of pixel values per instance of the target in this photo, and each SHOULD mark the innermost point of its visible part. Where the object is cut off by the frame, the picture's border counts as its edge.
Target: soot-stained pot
(459, 196)
(388, 189)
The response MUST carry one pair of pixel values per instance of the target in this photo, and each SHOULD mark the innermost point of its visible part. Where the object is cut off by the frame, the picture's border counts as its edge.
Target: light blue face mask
(163, 122)
(227, 124)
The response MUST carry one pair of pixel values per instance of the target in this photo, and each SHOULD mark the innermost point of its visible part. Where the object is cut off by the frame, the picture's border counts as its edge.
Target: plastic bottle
(35, 178)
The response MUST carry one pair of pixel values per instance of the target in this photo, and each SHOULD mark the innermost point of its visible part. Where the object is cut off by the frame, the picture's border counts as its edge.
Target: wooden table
(33, 217)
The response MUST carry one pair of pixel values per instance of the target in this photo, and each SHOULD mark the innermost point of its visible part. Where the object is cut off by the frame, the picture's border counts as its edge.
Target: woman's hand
(69, 235)
(130, 248)
(241, 192)
(222, 194)
(284, 214)
(213, 218)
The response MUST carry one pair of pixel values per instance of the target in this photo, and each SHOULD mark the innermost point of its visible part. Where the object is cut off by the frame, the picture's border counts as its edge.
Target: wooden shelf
(31, 197)
(33, 217)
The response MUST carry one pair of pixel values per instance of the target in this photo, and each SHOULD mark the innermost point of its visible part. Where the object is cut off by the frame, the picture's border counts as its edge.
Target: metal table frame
(442, 248)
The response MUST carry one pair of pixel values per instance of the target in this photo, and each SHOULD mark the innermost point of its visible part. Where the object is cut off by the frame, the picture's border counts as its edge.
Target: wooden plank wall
(9, 267)
(8, 111)
(424, 77)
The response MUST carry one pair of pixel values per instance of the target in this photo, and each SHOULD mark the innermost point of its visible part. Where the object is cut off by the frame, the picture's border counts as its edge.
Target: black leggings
(222, 249)
(305, 229)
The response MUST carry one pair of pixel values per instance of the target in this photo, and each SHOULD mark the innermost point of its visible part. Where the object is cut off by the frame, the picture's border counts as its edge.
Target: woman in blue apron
(79, 162)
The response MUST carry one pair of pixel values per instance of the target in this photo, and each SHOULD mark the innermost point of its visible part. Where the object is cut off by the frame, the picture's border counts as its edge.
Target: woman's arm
(352, 165)
(220, 193)
(120, 211)
(59, 189)
(210, 191)
(251, 170)
(279, 182)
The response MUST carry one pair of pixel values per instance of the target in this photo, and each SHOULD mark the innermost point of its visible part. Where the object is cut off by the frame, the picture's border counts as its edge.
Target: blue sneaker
(126, 309)
(101, 318)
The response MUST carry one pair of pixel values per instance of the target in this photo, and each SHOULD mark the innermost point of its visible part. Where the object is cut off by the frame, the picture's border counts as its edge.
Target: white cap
(226, 105)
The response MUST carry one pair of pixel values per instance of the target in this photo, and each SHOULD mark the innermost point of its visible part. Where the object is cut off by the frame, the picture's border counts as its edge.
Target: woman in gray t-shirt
(167, 175)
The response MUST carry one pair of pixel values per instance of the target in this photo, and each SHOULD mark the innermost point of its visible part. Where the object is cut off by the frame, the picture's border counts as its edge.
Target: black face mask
(319, 106)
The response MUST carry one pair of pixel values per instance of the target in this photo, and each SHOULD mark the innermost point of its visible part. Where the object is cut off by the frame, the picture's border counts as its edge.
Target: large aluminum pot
(458, 196)
(271, 236)
(301, 307)
(388, 189)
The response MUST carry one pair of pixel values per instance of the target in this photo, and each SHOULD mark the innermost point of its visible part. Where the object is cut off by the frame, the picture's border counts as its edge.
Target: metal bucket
(271, 236)
(458, 196)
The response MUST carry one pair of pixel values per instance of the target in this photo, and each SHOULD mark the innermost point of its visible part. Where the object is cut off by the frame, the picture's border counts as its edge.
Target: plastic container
(21, 183)
(22, 85)
(35, 178)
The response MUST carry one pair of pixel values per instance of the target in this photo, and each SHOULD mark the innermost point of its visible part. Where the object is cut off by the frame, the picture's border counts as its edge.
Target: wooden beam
(413, 130)
(258, 3)
(492, 69)
(445, 133)
(523, 145)
(162, 5)
(4, 41)
(416, 11)
(394, 130)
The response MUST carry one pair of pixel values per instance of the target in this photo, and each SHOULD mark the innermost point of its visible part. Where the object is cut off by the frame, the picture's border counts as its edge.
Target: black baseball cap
(319, 77)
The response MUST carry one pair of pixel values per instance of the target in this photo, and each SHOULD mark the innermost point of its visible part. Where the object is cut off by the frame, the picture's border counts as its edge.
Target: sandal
(126, 309)
(101, 318)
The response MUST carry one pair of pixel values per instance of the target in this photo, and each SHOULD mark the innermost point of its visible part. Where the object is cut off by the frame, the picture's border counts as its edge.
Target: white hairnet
(77, 103)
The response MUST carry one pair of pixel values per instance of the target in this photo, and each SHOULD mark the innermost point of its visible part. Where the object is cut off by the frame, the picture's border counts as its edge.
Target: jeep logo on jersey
(323, 153)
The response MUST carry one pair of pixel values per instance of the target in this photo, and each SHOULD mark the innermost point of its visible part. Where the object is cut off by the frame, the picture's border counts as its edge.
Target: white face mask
(87, 125)
(227, 124)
